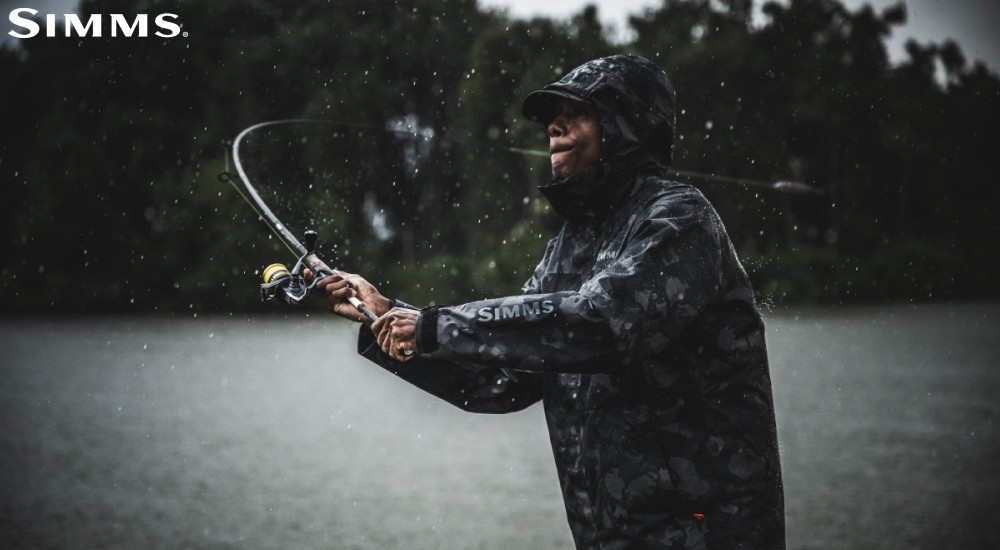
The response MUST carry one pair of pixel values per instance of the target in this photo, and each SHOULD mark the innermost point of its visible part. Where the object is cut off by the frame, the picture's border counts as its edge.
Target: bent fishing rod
(290, 285)
(280, 283)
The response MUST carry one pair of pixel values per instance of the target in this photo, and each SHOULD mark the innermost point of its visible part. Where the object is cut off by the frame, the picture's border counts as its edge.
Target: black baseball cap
(540, 105)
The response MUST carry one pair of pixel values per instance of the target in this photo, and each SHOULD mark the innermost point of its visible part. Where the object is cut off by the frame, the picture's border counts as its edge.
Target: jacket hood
(633, 97)
(635, 103)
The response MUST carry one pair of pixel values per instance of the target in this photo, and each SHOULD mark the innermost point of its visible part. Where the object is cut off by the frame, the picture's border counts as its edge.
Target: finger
(383, 336)
(326, 281)
(391, 340)
(399, 334)
(394, 352)
(401, 343)
(347, 311)
(354, 280)
(331, 287)
(388, 348)
(401, 353)
(340, 295)
(380, 323)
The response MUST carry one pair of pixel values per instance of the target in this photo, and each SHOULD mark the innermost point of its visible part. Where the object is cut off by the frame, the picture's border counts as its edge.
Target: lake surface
(270, 432)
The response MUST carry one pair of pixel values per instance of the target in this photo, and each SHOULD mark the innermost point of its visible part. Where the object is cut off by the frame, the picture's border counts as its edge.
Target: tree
(111, 148)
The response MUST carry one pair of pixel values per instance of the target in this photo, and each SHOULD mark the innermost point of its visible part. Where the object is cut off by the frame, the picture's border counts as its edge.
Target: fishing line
(296, 247)
(279, 282)
(275, 224)
(226, 177)
(779, 186)
(267, 214)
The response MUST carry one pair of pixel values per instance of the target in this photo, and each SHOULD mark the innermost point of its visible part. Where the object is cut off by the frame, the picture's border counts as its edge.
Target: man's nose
(556, 128)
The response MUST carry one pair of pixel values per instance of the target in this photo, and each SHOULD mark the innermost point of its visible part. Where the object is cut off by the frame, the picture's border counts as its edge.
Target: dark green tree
(110, 149)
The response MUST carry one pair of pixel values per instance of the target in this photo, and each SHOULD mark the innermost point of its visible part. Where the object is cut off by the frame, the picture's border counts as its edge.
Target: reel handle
(310, 237)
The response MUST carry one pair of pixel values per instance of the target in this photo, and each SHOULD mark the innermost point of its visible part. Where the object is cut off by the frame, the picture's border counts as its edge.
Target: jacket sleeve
(468, 386)
(667, 272)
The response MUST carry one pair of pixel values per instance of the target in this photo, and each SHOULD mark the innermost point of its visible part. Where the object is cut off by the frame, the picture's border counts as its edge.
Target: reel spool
(275, 272)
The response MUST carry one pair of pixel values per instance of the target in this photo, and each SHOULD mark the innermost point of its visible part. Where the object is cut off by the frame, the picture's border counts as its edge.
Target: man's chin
(560, 170)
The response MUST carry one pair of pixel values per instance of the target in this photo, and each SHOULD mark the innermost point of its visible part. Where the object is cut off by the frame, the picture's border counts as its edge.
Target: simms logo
(516, 311)
(116, 23)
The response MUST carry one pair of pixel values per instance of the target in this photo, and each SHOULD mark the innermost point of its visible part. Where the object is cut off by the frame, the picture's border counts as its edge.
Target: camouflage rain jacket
(639, 333)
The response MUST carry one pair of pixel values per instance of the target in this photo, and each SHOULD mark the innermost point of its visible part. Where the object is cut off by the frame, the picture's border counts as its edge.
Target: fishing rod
(280, 283)
(290, 285)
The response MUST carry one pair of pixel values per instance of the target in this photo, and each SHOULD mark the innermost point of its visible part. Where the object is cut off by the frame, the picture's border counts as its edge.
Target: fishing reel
(291, 287)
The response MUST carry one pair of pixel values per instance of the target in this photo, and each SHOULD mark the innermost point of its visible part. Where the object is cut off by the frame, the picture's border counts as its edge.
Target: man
(638, 331)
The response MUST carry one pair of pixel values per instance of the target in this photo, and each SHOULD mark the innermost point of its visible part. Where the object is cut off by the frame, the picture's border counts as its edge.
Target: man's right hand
(341, 285)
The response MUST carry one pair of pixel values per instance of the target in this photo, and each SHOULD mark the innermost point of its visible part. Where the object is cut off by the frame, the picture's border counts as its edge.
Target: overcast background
(970, 23)
(184, 421)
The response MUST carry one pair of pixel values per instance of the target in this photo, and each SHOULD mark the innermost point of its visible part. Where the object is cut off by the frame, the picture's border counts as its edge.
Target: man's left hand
(396, 333)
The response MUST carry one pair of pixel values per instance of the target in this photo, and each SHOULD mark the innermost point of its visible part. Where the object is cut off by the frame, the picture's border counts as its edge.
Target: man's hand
(341, 285)
(396, 333)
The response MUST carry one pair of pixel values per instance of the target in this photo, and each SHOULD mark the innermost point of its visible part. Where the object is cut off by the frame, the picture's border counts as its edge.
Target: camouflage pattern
(639, 332)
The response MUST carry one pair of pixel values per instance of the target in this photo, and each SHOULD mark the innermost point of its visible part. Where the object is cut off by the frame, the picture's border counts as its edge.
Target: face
(574, 138)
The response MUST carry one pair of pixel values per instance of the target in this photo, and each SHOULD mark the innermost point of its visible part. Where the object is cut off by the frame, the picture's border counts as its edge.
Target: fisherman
(638, 331)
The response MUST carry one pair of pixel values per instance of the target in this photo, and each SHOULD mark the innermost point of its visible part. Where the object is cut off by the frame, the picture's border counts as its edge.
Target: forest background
(110, 149)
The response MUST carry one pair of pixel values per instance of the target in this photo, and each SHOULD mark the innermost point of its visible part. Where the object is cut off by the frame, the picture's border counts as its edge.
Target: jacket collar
(594, 193)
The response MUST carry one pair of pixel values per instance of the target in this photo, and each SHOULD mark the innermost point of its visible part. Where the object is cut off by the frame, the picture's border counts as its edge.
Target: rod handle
(363, 309)
(320, 268)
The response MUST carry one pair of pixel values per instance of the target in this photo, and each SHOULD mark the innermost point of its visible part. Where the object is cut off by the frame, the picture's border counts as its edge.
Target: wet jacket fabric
(639, 332)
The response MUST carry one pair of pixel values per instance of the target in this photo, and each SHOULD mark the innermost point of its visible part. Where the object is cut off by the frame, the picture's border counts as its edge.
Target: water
(268, 432)
(888, 426)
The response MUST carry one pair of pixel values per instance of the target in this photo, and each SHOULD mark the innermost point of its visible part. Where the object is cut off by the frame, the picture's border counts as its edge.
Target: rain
(150, 398)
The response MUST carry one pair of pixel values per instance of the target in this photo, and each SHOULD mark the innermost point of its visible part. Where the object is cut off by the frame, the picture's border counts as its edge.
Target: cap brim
(540, 105)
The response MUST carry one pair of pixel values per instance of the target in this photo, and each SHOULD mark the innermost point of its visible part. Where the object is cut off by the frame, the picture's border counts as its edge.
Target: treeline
(110, 149)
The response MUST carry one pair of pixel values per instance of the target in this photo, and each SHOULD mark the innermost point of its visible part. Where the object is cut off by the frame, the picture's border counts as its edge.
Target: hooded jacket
(639, 332)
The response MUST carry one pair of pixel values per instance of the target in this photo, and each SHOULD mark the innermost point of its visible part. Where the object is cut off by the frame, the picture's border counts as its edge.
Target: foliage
(111, 147)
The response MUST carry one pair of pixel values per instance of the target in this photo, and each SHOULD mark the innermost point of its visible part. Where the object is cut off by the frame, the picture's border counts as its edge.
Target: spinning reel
(291, 287)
